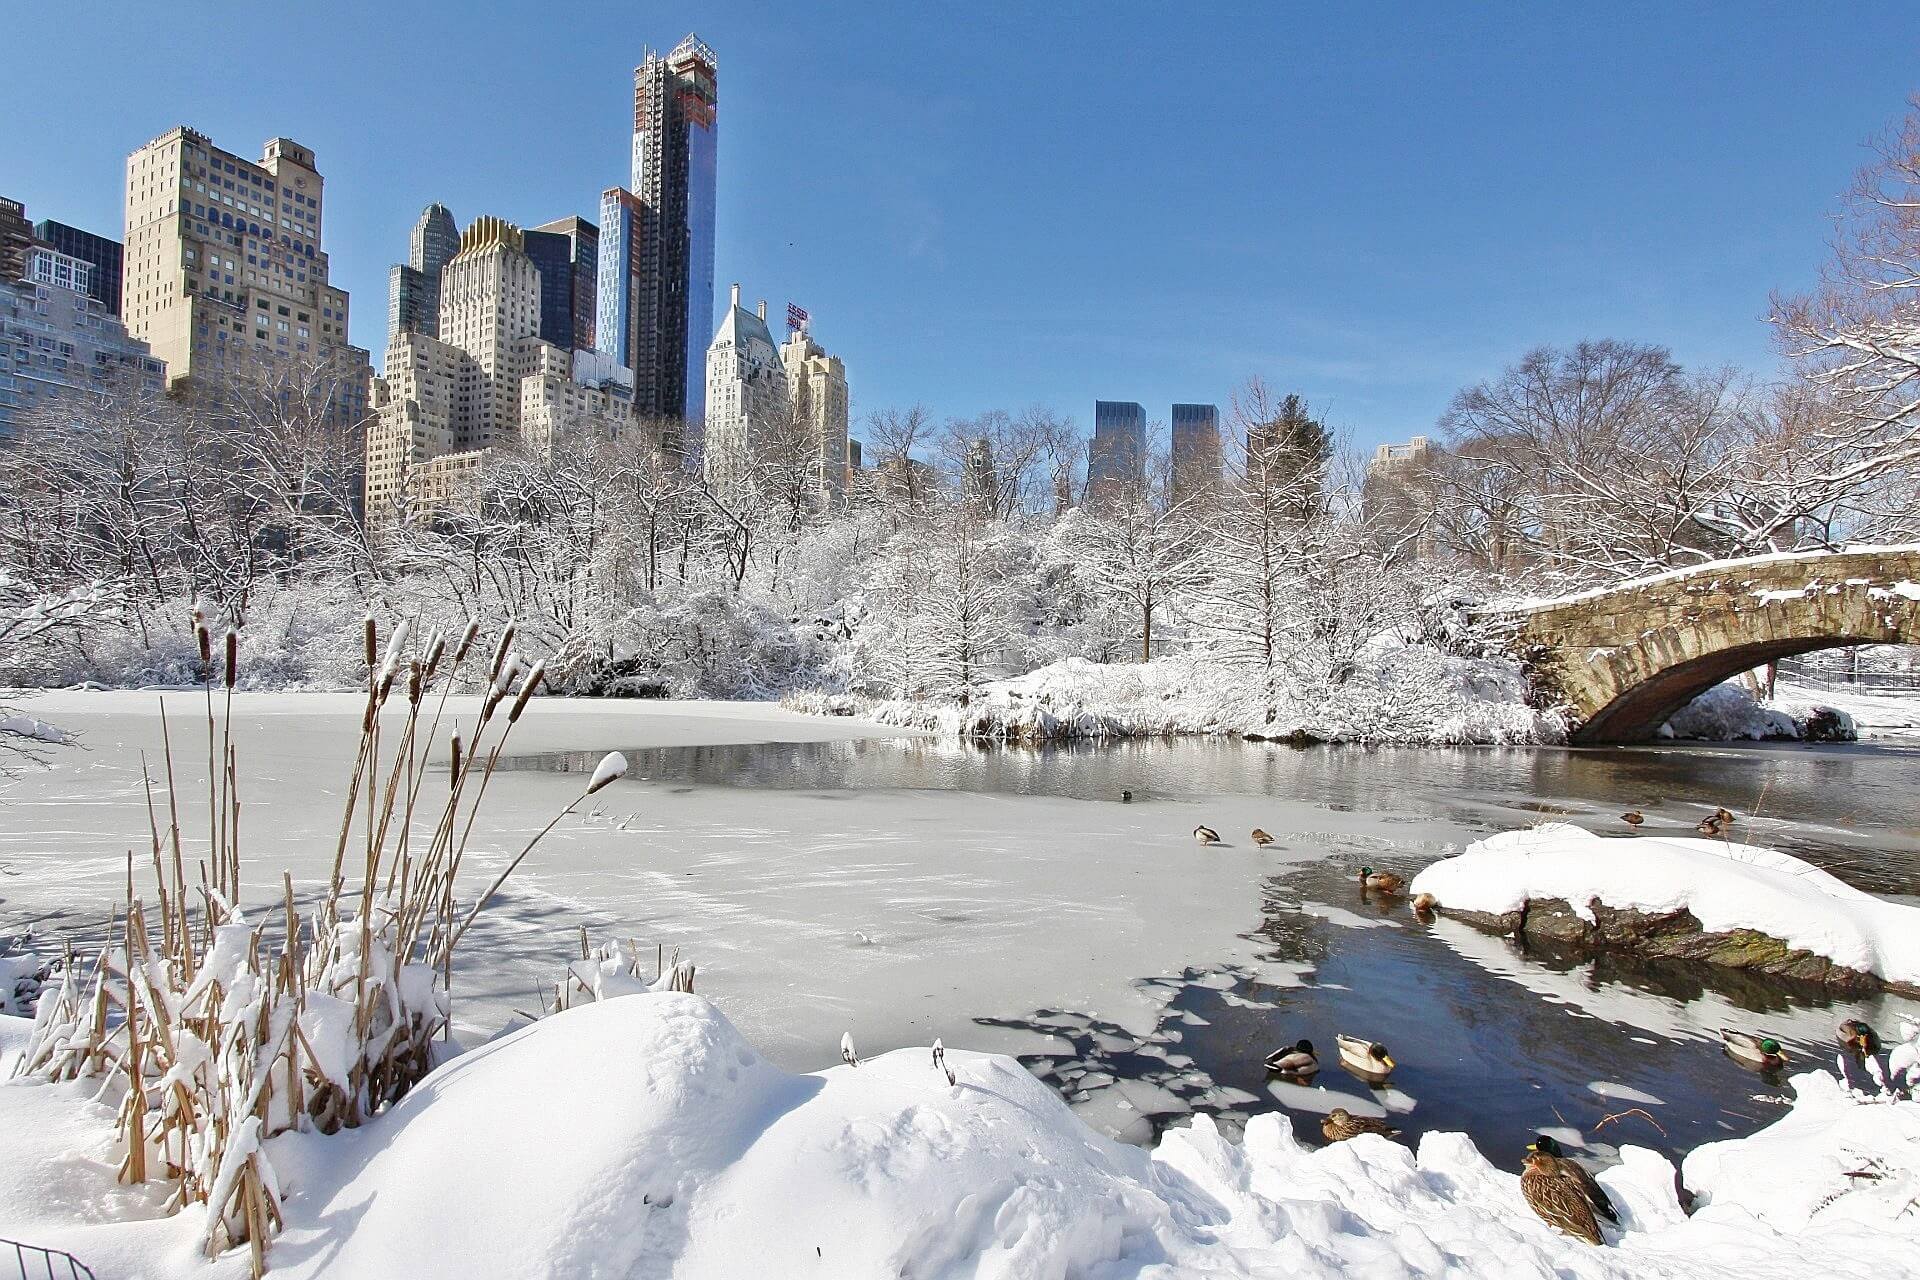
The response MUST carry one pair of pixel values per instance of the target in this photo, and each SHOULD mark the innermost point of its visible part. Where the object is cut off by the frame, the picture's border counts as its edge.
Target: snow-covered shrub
(1729, 712)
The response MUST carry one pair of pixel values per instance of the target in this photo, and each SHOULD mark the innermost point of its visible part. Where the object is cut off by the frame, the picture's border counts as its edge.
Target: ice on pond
(1625, 1093)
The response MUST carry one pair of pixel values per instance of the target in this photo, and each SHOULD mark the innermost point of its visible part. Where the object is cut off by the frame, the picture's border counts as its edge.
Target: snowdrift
(1728, 712)
(1726, 886)
(644, 1136)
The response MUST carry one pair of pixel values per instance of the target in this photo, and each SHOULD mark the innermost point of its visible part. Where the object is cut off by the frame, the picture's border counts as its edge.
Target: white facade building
(747, 394)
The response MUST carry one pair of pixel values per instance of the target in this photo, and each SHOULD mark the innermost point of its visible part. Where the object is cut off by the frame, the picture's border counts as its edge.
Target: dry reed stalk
(208, 1029)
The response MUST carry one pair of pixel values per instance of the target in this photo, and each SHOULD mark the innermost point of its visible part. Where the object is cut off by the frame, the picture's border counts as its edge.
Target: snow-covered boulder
(1737, 905)
(1729, 712)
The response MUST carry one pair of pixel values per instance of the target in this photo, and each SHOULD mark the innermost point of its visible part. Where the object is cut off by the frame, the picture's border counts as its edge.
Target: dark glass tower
(1196, 450)
(1117, 458)
(675, 148)
(103, 253)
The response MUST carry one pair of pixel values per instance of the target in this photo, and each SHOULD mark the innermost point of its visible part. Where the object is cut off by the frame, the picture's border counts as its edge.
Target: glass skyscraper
(675, 171)
(1196, 450)
(413, 290)
(1117, 458)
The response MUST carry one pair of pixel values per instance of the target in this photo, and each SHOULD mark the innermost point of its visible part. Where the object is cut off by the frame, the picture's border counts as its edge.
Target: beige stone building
(486, 381)
(817, 387)
(223, 262)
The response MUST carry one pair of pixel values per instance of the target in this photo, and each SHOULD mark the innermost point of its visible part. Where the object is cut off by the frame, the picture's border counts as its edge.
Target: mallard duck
(1381, 881)
(1859, 1039)
(1425, 904)
(1710, 827)
(1725, 816)
(1575, 1172)
(1364, 1057)
(1261, 838)
(1297, 1061)
(1763, 1052)
(1342, 1124)
(1557, 1199)
(1126, 797)
(1633, 817)
(1206, 835)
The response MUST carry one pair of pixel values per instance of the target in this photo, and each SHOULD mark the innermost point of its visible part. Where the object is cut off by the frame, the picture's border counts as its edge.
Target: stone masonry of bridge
(1623, 659)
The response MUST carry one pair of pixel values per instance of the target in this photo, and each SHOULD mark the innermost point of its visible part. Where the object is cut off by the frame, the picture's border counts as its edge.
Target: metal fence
(36, 1263)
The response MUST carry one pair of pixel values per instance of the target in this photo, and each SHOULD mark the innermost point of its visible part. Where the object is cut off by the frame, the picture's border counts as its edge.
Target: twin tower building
(502, 335)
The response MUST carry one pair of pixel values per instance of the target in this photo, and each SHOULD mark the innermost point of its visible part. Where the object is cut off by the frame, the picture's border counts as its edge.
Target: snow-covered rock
(1726, 886)
(644, 1136)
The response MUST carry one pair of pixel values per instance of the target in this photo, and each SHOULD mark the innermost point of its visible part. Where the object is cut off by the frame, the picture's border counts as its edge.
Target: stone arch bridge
(1625, 658)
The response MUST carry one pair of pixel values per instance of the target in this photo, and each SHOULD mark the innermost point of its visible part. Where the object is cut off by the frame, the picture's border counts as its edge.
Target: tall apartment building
(16, 237)
(1195, 454)
(413, 287)
(489, 379)
(567, 251)
(746, 393)
(1117, 456)
(817, 391)
(223, 263)
(56, 338)
(661, 328)
(98, 252)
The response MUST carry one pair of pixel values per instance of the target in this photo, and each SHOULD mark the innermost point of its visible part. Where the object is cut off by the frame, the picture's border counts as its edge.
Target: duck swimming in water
(1364, 1057)
(1342, 1124)
(1297, 1061)
(1381, 881)
(1859, 1039)
(1763, 1052)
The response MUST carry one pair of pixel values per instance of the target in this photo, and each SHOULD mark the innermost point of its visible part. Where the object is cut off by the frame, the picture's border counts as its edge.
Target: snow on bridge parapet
(1624, 658)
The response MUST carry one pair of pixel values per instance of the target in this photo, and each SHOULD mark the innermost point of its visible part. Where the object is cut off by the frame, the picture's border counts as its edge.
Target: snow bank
(644, 1136)
(1398, 694)
(1727, 886)
(1728, 712)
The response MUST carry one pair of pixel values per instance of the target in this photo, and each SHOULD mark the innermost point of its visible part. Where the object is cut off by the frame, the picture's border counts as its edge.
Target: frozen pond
(826, 879)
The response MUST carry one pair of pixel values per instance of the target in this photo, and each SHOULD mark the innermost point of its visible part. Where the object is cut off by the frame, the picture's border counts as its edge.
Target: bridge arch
(1623, 659)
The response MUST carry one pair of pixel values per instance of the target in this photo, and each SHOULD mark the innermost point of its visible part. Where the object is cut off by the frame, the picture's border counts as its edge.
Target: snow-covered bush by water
(1396, 694)
(1729, 712)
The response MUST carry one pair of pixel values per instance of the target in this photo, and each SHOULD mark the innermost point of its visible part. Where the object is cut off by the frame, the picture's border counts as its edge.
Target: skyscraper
(224, 266)
(668, 318)
(817, 387)
(1196, 450)
(487, 379)
(567, 314)
(746, 393)
(413, 289)
(102, 254)
(16, 238)
(1117, 458)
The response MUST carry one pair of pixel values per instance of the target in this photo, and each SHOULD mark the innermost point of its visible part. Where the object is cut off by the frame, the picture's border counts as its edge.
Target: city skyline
(1372, 291)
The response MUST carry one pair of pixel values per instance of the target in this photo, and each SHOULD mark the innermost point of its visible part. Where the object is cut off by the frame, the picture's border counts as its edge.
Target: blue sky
(1003, 205)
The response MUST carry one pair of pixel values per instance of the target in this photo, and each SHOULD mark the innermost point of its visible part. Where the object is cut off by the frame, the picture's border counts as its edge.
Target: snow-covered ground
(1725, 885)
(1398, 694)
(1877, 713)
(645, 1136)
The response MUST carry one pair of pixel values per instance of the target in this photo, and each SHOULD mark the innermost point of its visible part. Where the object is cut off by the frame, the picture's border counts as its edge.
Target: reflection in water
(1494, 1039)
(1848, 808)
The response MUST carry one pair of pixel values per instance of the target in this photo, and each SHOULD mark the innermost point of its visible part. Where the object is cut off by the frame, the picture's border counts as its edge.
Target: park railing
(36, 1263)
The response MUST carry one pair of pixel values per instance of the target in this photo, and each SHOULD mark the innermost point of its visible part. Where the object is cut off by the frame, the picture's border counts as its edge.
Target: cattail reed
(233, 656)
(527, 687)
(372, 635)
